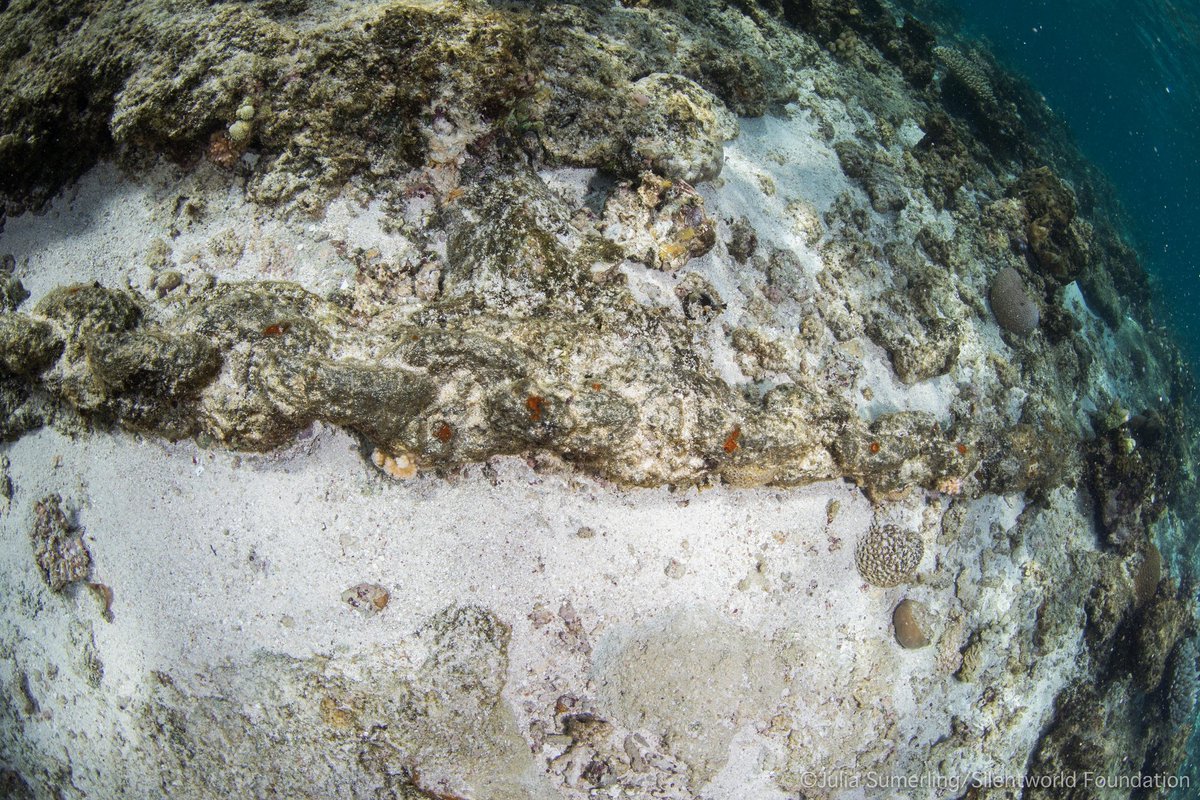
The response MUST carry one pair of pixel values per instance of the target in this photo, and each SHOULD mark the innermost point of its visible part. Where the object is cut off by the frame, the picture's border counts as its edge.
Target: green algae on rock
(27, 346)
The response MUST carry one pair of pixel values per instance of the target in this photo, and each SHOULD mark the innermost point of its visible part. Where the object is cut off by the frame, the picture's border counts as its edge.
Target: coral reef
(968, 74)
(877, 178)
(1134, 469)
(1094, 730)
(1057, 239)
(680, 129)
(972, 85)
(680, 244)
(12, 293)
(1184, 688)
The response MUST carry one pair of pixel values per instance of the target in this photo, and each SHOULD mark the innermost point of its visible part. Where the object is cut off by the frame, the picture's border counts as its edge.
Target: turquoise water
(1125, 74)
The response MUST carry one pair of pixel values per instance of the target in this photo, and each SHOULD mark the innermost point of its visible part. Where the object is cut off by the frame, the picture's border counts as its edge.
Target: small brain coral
(1015, 310)
(888, 556)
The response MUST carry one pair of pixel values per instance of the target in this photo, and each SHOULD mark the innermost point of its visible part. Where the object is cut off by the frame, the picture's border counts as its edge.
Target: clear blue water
(1125, 74)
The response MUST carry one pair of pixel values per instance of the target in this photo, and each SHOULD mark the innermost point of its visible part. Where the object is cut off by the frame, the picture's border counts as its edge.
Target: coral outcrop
(1058, 240)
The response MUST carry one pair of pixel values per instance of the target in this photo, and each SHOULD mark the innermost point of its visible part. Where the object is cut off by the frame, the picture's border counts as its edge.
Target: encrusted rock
(6, 484)
(1132, 468)
(518, 248)
(699, 299)
(85, 311)
(902, 450)
(1108, 603)
(917, 352)
(252, 364)
(1161, 626)
(877, 177)
(1031, 458)
(585, 318)
(743, 241)
(945, 157)
(12, 291)
(610, 103)
(974, 656)
(681, 129)
(305, 82)
(27, 345)
(58, 545)
(660, 222)
(153, 363)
